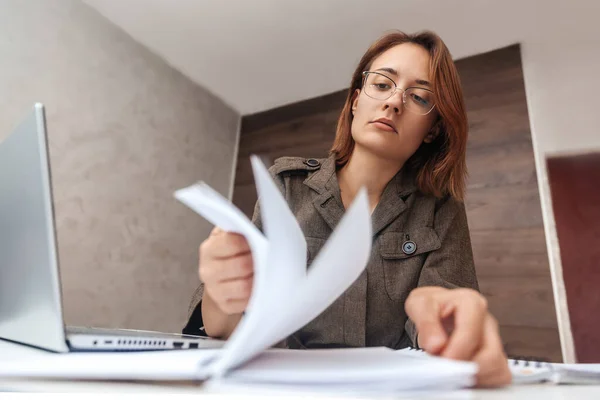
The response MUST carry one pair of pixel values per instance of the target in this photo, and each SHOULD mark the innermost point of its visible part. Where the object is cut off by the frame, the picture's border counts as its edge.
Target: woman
(402, 134)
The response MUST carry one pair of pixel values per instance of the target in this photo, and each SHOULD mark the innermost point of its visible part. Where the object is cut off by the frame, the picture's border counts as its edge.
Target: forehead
(408, 59)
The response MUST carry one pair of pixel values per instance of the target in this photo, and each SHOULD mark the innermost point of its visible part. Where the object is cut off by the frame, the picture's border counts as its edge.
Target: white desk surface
(11, 351)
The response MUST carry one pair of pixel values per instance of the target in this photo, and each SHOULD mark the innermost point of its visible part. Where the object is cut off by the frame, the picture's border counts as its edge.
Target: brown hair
(440, 166)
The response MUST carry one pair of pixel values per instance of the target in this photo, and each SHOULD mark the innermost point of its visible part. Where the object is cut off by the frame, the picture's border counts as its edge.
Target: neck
(368, 170)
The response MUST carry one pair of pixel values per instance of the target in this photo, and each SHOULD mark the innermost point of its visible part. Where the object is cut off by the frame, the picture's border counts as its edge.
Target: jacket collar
(328, 202)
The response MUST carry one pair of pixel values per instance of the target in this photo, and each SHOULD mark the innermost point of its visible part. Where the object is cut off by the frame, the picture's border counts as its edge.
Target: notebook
(285, 297)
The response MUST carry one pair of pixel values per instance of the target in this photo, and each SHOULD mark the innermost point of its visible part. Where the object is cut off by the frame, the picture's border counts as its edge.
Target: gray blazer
(418, 240)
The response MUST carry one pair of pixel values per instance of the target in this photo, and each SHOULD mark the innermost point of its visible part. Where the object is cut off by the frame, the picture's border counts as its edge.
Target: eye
(381, 86)
(419, 100)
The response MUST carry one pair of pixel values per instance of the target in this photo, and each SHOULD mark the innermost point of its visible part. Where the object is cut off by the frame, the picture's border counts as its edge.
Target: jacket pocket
(403, 255)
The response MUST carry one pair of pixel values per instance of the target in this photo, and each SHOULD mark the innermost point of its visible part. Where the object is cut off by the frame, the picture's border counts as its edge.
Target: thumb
(216, 231)
(425, 313)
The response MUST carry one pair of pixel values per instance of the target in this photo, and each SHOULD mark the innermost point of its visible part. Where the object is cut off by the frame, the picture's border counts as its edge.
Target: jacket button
(311, 162)
(409, 247)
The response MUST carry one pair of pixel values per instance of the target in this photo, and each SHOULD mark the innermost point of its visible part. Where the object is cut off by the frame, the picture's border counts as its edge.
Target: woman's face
(401, 133)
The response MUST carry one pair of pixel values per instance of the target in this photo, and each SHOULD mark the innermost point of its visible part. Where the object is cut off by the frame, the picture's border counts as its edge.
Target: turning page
(285, 295)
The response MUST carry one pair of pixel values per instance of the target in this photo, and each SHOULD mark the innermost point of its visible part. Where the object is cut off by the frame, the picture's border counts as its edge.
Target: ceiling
(260, 54)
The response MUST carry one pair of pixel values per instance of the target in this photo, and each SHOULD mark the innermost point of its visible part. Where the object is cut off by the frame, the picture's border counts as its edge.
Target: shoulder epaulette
(293, 165)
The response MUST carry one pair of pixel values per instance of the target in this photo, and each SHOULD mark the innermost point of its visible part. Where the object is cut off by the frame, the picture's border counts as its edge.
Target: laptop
(30, 293)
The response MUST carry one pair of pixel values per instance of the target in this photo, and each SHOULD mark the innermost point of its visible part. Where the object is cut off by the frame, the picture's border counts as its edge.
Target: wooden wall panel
(527, 340)
(503, 204)
(304, 129)
(526, 258)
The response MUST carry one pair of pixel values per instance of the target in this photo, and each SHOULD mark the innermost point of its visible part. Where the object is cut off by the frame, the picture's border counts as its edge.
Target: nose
(395, 101)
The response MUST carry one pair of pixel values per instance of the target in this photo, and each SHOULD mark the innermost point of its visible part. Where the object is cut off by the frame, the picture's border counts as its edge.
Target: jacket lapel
(392, 203)
(326, 196)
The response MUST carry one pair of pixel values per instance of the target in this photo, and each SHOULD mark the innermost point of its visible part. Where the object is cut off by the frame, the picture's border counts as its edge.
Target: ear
(429, 138)
(355, 100)
(434, 132)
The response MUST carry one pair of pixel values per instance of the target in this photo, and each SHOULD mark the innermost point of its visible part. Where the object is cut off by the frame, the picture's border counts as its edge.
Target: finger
(238, 289)
(240, 267)
(234, 306)
(217, 271)
(423, 309)
(223, 246)
(491, 358)
(447, 316)
(470, 310)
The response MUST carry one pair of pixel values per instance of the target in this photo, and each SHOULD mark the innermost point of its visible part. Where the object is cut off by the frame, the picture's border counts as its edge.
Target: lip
(384, 123)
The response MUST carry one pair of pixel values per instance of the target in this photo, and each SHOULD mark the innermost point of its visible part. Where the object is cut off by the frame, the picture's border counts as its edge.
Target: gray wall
(125, 131)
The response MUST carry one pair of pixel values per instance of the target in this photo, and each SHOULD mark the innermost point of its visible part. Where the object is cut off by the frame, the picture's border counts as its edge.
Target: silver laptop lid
(30, 299)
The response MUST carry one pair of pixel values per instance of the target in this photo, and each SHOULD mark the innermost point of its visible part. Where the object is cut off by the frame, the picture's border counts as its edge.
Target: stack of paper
(357, 370)
(286, 296)
(360, 370)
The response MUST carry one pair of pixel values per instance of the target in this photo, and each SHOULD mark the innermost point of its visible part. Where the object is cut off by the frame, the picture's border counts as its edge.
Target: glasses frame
(365, 74)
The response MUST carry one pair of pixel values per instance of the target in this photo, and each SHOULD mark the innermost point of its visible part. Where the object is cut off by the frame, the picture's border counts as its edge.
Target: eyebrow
(394, 72)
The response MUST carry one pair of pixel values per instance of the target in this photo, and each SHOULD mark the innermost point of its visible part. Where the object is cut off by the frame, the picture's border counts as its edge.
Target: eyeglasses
(415, 99)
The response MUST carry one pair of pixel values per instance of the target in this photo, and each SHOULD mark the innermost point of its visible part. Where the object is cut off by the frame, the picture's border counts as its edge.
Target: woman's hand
(456, 323)
(227, 270)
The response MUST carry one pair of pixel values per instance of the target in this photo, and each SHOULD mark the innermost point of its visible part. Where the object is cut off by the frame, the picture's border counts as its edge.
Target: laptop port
(193, 345)
(178, 345)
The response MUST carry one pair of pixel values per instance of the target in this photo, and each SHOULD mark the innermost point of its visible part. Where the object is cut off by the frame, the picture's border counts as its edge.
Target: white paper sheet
(285, 297)
(284, 267)
(295, 297)
(365, 368)
(218, 210)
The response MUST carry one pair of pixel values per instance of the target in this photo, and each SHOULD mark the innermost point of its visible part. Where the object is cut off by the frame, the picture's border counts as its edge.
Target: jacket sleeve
(452, 265)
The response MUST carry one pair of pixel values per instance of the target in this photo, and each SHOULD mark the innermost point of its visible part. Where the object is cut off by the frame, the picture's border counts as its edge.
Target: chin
(378, 148)
(376, 137)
